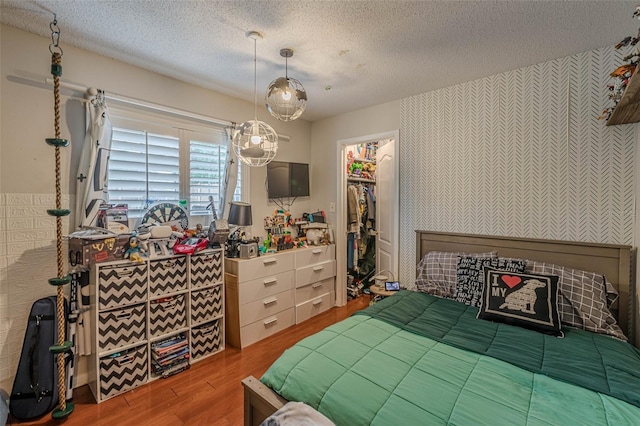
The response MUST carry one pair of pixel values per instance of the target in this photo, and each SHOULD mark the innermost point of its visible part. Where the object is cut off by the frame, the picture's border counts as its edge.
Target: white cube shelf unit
(134, 305)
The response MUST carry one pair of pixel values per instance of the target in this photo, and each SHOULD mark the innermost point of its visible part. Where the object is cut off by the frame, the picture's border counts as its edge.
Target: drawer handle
(270, 281)
(317, 302)
(123, 315)
(318, 268)
(125, 273)
(270, 321)
(207, 331)
(317, 251)
(316, 285)
(168, 265)
(269, 261)
(270, 301)
(125, 360)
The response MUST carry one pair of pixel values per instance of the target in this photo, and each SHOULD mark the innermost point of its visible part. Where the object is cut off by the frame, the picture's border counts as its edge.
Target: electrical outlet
(332, 207)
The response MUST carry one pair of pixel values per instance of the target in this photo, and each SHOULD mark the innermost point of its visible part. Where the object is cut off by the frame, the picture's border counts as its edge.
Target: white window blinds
(143, 169)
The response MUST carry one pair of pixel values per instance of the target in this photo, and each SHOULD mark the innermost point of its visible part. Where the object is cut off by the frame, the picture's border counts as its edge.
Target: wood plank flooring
(209, 393)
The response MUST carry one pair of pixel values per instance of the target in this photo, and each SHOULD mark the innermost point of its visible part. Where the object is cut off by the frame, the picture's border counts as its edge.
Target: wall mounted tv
(286, 180)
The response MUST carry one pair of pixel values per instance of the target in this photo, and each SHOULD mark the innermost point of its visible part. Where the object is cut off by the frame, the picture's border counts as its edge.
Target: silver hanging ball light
(255, 142)
(286, 98)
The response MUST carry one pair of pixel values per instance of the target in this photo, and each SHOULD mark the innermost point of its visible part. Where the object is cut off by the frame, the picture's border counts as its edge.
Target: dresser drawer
(261, 288)
(259, 267)
(315, 273)
(313, 307)
(312, 255)
(263, 308)
(266, 327)
(123, 371)
(311, 291)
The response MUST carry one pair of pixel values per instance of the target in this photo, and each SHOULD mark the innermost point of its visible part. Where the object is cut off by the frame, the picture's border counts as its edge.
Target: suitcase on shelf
(35, 387)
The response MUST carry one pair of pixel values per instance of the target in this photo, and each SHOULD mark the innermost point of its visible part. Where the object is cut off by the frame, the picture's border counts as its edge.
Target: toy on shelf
(134, 252)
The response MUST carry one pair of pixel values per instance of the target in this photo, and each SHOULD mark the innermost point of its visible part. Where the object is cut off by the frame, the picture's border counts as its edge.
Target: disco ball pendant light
(286, 98)
(255, 142)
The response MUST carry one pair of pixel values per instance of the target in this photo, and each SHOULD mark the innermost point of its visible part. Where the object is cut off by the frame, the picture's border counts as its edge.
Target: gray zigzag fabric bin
(167, 314)
(205, 339)
(122, 285)
(124, 371)
(206, 304)
(121, 327)
(167, 276)
(206, 269)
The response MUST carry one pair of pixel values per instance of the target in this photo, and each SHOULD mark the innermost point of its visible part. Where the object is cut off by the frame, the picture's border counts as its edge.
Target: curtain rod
(144, 104)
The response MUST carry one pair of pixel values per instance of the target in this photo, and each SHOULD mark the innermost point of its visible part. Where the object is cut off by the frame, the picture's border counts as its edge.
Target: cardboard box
(85, 251)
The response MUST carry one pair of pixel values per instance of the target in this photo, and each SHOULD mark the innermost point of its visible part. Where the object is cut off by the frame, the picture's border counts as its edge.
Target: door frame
(341, 206)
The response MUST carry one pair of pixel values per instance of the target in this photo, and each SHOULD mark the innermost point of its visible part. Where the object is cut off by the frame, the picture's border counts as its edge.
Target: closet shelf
(355, 179)
(628, 109)
(363, 160)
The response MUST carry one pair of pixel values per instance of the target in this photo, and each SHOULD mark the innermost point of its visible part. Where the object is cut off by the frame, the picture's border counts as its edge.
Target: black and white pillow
(470, 275)
(437, 272)
(525, 300)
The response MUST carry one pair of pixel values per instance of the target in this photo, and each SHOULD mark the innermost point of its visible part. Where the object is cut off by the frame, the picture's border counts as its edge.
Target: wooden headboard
(615, 262)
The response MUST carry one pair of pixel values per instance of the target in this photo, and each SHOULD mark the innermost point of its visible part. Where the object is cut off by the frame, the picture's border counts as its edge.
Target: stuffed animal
(314, 236)
(134, 251)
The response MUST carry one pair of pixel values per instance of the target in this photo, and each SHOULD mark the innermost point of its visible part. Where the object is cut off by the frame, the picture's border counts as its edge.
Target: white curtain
(230, 177)
(94, 161)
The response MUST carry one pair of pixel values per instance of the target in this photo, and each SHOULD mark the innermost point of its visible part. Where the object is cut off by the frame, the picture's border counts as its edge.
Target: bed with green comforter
(416, 359)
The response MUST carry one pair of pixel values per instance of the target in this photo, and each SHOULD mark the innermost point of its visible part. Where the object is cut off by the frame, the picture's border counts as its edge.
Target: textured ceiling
(369, 52)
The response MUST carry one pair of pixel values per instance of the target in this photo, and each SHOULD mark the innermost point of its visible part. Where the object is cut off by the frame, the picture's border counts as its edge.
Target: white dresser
(269, 293)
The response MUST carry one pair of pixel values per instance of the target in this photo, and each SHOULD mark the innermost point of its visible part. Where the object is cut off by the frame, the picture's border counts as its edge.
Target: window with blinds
(159, 160)
(144, 168)
(206, 176)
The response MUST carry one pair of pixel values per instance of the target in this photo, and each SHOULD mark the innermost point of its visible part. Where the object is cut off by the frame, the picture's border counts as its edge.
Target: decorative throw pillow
(583, 299)
(437, 272)
(525, 300)
(470, 275)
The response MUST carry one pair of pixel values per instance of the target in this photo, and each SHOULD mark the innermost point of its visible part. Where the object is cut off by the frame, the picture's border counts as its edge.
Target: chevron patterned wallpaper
(518, 154)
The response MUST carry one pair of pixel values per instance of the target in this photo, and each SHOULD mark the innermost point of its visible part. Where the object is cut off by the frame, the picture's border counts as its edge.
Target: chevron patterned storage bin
(120, 285)
(206, 269)
(167, 314)
(205, 339)
(206, 304)
(124, 371)
(167, 275)
(121, 327)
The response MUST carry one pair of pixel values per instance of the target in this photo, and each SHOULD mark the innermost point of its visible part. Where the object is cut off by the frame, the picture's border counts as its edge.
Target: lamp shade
(255, 143)
(286, 99)
(240, 214)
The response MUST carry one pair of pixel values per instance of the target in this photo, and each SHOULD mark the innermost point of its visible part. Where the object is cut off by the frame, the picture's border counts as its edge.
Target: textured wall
(27, 261)
(518, 154)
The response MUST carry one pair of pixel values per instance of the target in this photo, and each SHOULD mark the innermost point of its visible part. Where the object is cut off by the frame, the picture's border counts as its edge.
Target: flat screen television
(286, 180)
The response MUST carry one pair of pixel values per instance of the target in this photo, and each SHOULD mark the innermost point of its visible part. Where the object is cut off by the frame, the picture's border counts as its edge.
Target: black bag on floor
(35, 387)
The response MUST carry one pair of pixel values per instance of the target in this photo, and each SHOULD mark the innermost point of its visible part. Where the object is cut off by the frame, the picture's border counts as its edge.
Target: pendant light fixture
(255, 142)
(286, 98)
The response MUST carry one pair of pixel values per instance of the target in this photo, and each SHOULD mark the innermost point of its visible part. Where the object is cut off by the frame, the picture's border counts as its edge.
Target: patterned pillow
(437, 272)
(583, 299)
(525, 300)
(470, 275)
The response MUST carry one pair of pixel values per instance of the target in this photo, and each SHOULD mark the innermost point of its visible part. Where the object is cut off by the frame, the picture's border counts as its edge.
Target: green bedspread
(365, 370)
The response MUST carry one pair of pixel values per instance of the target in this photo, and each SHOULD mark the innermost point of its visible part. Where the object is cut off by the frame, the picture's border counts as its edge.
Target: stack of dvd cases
(170, 356)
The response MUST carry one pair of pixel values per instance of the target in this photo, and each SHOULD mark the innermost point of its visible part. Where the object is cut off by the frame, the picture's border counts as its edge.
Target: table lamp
(239, 215)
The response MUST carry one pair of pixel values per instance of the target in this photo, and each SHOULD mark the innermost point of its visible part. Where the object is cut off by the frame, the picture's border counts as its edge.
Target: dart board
(166, 214)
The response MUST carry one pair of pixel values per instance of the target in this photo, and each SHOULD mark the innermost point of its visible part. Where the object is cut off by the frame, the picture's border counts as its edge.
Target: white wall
(27, 255)
(325, 135)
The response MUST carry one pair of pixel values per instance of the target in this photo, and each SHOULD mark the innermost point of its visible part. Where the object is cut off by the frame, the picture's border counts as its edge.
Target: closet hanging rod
(140, 103)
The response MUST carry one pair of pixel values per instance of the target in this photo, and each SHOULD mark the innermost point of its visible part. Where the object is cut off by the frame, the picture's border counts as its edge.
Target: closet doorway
(367, 240)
